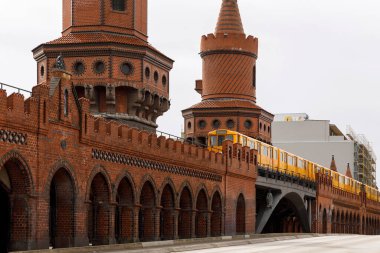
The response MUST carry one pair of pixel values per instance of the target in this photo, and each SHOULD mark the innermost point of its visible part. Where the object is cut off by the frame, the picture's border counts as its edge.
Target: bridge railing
(291, 178)
(4, 86)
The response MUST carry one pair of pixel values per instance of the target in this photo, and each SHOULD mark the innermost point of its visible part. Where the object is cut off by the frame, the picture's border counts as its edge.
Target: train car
(286, 162)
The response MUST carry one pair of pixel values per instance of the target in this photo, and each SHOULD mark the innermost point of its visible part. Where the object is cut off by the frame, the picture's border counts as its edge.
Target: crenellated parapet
(233, 43)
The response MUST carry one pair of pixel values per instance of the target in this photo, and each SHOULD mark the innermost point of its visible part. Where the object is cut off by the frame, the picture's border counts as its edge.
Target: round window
(147, 72)
(126, 68)
(155, 76)
(216, 124)
(230, 123)
(248, 124)
(164, 80)
(78, 68)
(202, 124)
(99, 67)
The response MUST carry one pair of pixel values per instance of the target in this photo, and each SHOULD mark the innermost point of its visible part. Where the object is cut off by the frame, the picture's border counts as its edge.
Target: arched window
(118, 5)
(66, 103)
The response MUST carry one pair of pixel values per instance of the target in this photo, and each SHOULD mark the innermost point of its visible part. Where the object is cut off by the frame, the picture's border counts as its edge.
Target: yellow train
(283, 161)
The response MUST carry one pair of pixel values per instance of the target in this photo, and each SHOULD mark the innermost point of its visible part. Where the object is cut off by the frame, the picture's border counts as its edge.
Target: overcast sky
(321, 57)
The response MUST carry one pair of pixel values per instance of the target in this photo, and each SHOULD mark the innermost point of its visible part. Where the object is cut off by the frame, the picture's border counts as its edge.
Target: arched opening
(185, 214)
(61, 214)
(15, 188)
(80, 90)
(324, 221)
(201, 218)
(124, 215)
(98, 212)
(216, 215)
(147, 215)
(337, 227)
(290, 208)
(240, 215)
(167, 214)
(4, 219)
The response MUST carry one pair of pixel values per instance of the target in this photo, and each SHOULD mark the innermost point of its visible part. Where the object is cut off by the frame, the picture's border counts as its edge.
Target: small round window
(155, 76)
(202, 124)
(126, 68)
(78, 68)
(99, 67)
(248, 124)
(147, 72)
(230, 124)
(216, 124)
(164, 80)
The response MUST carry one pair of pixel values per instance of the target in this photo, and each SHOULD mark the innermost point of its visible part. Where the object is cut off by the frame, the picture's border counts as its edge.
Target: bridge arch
(288, 214)
(147, 214)
(16, 187)
(167, 222)
(201, 218)
(185, 217)
(240, 215)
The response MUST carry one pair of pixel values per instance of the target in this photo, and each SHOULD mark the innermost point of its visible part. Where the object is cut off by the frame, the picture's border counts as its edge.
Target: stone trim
(143, 163)
(13, 137)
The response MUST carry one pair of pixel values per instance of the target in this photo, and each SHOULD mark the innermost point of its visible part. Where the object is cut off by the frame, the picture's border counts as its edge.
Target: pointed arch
(15, 205)
(185, 217)
(201, 218)
(240, 215)
(167, 212)
(324, 221)
(147, 214)
(99, 209)
(124, 212)
(216, 214)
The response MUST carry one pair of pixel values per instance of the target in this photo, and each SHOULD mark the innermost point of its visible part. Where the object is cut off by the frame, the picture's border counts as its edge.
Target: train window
(230, 137)
(221, 138)
(244, 141)
(282, 156)
(251, 144)
(275, 155)
(290, 160)
(213, 140)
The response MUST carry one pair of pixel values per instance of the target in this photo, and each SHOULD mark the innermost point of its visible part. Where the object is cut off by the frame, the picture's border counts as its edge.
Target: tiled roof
(225, 103)
(229, 18)
(76, 38)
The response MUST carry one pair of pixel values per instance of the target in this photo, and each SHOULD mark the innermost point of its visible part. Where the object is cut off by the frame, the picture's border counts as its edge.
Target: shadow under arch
(289, 215)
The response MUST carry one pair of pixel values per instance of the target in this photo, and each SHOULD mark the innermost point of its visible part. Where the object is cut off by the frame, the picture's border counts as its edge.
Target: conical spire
(348, 171)
(333, 165)
(229, 21)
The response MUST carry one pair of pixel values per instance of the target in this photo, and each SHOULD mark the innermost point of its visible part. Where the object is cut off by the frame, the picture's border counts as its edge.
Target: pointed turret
(333, 165)
(229, 21)
(348, 171)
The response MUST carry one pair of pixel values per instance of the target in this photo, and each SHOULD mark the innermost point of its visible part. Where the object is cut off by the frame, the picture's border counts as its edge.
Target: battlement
(108, 132)
(15, 110)
(237, 42)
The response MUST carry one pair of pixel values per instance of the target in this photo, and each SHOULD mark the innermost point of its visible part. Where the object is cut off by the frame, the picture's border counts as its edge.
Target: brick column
(208, 215)
(194, 214)
(157, 221)
(175, 217)
(136, 212)
(111, 231)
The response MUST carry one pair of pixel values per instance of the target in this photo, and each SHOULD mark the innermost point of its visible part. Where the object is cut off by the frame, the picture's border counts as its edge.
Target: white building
(315, 140)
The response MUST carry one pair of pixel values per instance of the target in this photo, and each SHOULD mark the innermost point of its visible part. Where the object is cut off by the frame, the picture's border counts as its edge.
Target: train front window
(221, 138)
(213, 140)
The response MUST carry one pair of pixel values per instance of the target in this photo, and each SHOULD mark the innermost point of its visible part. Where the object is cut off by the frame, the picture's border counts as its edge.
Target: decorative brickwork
(13, 137)
(142, 163)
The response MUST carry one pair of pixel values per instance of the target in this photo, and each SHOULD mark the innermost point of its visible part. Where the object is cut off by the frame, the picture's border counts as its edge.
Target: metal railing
(19, 90)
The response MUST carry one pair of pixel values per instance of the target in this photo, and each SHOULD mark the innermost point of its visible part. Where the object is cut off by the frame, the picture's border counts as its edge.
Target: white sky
(316, 56)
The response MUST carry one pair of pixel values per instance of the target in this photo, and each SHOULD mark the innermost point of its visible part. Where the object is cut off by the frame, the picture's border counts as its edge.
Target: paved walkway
(328, 244)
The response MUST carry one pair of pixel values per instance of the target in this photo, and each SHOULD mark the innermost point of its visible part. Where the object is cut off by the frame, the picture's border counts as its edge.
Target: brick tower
(104, 45)
(228, 85)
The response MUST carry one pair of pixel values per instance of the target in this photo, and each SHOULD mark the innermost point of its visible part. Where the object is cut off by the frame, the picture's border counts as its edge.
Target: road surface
(328, 244)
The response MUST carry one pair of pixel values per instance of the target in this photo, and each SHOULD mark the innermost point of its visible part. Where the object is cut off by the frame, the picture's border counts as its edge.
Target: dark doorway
(185, 214)
(324, 222)
(147, 213)
(124, 220)
(201, 218)
(167, 214)
(240, 215)
(216, 215)
(61, 216)
(4, 220)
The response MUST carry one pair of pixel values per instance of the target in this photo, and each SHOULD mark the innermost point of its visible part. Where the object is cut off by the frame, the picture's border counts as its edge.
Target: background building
(318, 140)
